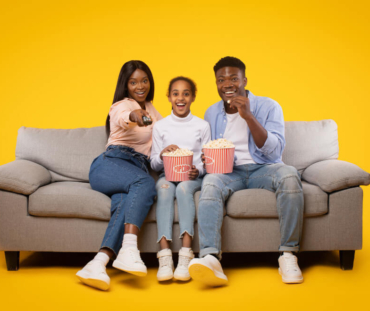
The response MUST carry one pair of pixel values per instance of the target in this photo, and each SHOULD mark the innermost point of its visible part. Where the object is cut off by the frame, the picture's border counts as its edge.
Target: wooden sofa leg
(346, 259)
(12, 260)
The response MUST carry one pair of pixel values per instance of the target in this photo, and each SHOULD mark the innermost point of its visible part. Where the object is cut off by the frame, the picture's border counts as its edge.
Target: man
(256, 127)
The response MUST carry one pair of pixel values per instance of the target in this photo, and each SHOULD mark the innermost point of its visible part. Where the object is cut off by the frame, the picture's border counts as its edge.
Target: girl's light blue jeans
(184, 193)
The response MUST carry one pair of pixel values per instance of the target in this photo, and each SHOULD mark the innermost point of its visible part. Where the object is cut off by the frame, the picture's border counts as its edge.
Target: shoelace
(291, 263)
(165, 261)
(135, 255)
(184, 261)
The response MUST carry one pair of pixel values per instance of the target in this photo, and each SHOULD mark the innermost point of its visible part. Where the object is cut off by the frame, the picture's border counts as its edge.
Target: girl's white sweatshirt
(190, 132)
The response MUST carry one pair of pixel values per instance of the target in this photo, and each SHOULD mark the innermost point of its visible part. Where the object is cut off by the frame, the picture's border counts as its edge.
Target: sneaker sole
(120, 266)
(206, 275)
(96, 283)
(290, 281)
(182, 278)
(164, 278)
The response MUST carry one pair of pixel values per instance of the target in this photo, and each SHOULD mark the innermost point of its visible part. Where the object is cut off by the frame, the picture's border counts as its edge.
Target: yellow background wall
(60, 60)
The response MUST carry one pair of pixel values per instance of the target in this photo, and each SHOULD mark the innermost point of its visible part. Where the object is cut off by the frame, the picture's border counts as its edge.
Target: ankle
(103, 257)
(129, 240)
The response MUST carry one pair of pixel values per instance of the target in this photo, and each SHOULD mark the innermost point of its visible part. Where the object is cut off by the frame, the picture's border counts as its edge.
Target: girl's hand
(137, 116)
(193, 173)
(168, 149)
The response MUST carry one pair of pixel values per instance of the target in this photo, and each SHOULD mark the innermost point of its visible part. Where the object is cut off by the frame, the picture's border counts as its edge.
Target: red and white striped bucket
(176, 168)
(219, 161)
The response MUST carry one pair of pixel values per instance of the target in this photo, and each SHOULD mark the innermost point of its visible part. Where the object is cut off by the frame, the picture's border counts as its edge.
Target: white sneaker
(182, 270)
(94, 274)
(289, 269)
(207, 270)
(129, 260)
(165, 271)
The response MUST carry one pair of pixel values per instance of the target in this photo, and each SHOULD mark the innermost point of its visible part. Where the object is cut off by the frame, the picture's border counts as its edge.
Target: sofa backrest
(68, 154)
(310, 142)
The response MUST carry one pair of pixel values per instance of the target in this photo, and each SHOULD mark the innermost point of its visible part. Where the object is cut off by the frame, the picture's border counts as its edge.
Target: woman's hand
(168, 149)
(137, 116)
(193, 173)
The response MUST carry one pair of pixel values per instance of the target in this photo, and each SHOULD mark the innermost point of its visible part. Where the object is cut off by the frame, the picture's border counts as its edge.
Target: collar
(188, 118)
(252, 100)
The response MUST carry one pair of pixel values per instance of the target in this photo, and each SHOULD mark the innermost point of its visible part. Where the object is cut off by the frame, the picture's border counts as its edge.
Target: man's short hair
(229, 61)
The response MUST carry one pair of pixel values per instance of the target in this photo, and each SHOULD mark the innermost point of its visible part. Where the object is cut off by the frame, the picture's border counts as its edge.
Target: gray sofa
(47, 204)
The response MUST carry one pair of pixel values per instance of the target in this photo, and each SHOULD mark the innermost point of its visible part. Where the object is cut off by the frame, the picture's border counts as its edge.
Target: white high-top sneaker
(129, 260)
(94, 274)
(207, 270)
(165, 270)
(289, 269)
(182, 270)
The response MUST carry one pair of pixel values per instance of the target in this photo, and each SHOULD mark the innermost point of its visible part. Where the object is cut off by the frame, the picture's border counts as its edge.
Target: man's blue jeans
(122, 174)
(184, 193)
(284, 180)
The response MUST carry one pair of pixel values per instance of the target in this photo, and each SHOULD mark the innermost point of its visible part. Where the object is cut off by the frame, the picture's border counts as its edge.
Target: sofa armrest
(333, 175)
(22, 176)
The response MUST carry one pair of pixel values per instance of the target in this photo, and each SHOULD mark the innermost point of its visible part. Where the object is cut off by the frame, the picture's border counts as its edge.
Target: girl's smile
(181, 98)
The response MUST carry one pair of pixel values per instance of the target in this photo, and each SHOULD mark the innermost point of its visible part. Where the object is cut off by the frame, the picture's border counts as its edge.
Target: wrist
(248, 116)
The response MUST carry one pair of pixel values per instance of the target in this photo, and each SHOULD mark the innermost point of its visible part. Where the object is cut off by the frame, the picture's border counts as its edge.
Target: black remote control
(147, 120)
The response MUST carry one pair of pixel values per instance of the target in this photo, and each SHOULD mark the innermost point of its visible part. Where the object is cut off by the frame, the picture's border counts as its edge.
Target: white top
(237, 132)
(190, 132)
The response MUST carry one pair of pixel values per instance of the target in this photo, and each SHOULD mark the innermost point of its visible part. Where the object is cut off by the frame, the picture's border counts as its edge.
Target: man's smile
(230, 93)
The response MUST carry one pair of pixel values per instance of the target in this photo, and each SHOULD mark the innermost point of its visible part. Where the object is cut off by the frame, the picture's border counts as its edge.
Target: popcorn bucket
(219, 160)
(176, 168)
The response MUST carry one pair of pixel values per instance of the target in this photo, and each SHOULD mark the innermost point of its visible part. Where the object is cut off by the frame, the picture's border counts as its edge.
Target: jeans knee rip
(210, 199)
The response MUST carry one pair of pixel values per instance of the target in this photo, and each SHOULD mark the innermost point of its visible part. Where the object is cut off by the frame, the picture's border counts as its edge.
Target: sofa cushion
(78, 200)
(69, 199)
(68, 154)
(334, 175)
(310, 142)
(260, 203)
(22, 176)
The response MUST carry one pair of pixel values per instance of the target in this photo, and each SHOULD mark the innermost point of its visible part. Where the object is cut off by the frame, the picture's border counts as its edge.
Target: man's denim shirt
(268, 113)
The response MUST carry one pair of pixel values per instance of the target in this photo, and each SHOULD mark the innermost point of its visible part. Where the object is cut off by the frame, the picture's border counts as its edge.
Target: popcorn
(181, 152)
(219, 144)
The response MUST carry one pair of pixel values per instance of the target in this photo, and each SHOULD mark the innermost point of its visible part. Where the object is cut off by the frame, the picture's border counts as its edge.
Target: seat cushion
(152, 214)
(69, 199)
(260, 203)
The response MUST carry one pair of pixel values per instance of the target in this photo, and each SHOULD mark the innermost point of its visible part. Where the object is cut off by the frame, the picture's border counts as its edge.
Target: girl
(180, 129)
(121, 172)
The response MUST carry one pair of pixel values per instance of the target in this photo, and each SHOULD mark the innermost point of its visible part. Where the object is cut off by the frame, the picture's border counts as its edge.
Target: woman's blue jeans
(184, 193)
(122, 174)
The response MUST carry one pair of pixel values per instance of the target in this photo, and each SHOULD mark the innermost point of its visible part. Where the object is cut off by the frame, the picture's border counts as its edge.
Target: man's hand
(169, 148)
(193, 173)
(137, 116)
(241, 103)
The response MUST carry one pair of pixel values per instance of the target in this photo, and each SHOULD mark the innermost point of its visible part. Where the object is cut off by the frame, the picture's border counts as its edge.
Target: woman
(121, 172)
